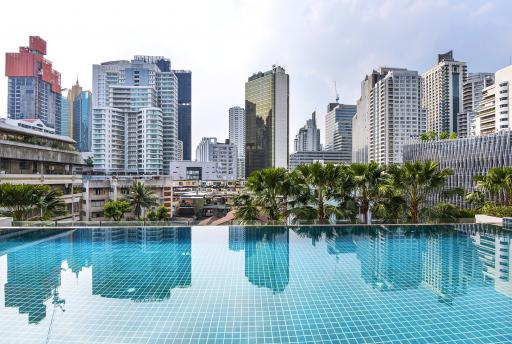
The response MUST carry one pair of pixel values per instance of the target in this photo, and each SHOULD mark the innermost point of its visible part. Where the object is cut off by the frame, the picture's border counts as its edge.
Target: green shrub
(496, 210)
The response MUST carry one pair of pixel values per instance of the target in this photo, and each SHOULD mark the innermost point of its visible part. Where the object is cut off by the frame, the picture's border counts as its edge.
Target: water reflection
(146, 264)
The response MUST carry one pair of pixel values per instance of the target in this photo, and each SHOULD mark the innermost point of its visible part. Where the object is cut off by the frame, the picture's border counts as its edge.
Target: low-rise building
(223, 153)
(300, 158)
(466, 157)
(39, 157)
(199, 170)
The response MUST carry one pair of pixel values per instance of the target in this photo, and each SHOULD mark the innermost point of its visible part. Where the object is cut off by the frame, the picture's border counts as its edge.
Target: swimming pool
(361, 284)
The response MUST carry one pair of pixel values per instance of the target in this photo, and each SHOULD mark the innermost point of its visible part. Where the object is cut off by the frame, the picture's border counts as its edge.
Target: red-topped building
(34, 89)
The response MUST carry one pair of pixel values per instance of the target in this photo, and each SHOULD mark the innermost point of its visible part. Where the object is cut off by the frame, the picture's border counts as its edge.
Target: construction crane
(336, 92)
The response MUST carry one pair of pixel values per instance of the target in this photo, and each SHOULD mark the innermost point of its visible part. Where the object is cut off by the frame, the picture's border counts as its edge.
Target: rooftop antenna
(336, 92)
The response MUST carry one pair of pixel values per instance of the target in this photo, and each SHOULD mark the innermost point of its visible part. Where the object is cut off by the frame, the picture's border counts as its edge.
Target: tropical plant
(50, 204)
(453, 135)
(428, 136)
(447, 211)
(151, 216)
(476, 199)
(443, 135)
(246, 211)
(140, 197)
(116, 210)
(369, 186)
(497, 179)
(22, 201)
(492, 209)
(162, 213)
(270, 189)
(321, 191)
(89, 162)
(415, 182)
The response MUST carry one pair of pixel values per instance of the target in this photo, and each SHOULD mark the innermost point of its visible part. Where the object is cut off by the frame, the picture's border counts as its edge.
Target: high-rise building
(391, 116)
(34, 90)
(493, 114)
(338, 129)
(74, 92)
(442, 93)
(224, 154)
(82, 121)
(63, 128)
(266, 120)
(471, 99)
(185, 111)
(237, 137)
(308, 137)
(134, 125)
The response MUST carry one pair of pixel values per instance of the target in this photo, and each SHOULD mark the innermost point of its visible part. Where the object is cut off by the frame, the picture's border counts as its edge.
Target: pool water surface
(360, 284)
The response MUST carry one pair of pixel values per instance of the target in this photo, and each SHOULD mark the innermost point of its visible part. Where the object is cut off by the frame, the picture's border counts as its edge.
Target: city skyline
(328, 50)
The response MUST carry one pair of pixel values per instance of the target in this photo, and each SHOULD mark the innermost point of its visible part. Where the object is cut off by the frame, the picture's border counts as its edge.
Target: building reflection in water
(33, 273)
(141, 264)
(267, 257)
(236, 238)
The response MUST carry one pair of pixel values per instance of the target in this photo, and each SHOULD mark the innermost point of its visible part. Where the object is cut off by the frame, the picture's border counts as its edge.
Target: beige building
(29, 156)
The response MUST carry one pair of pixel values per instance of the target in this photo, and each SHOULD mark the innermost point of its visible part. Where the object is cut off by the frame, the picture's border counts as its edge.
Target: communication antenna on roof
(336, 92)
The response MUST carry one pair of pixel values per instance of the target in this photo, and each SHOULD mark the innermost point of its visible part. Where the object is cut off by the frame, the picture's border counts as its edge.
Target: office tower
(224, 154)
(442, 93)
(185, 111)
(75, 90)
(82, 121)
(34, 90)
(494, 112)
(266, 120)
(308, 138)
(471, 99)
(63, 127)
(338, 129)
(237, 137)
(134, 116)
(392, 114)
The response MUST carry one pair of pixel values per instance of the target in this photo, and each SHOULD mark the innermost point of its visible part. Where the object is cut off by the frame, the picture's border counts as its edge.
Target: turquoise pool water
(404, 284)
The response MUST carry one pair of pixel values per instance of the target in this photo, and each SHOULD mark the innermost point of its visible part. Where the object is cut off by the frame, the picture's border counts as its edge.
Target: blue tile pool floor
(407, 284)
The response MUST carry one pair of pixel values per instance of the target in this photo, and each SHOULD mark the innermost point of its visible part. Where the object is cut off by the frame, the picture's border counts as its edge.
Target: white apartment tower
(442, 97)
(135, 105)
(494, 112)
(308, 137)
(237, 137)
(389, 115)
(224, 154)
(471, 100)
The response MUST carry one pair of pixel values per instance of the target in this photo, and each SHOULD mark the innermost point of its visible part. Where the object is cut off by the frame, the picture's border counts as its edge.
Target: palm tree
(50, 204)
(21, 200)
(140, 197)
(369, 185)
(246, 211)
(320, 189)
(270, 189)
(416, 181)
(498, 178)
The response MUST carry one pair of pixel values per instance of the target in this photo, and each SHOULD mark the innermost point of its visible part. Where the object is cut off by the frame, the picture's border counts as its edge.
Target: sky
(223, 42)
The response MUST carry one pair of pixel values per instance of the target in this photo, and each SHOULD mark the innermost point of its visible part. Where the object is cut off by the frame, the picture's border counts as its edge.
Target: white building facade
(134, 126)
(224, 154)
(390, 114)
(308, 137)
(237, 137)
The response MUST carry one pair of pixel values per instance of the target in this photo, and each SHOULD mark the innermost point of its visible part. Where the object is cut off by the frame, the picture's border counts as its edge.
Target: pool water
(361, 284)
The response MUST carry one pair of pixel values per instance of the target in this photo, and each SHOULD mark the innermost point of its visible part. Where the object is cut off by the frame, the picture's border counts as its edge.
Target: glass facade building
(185, 111)
(266, 120)
(82, 121)
(63, 123)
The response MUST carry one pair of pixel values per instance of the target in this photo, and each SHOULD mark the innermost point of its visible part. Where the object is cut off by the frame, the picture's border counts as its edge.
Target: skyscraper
(308, 137)
(82, 121)
(134, 116)
(471, 99)
(494, 112)
(266, 120)
(338, 129)
(75, 90)
(237, 137)
(63, 125)
(185, 111)
(389, 114)
(34, 89)
(442, 93)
